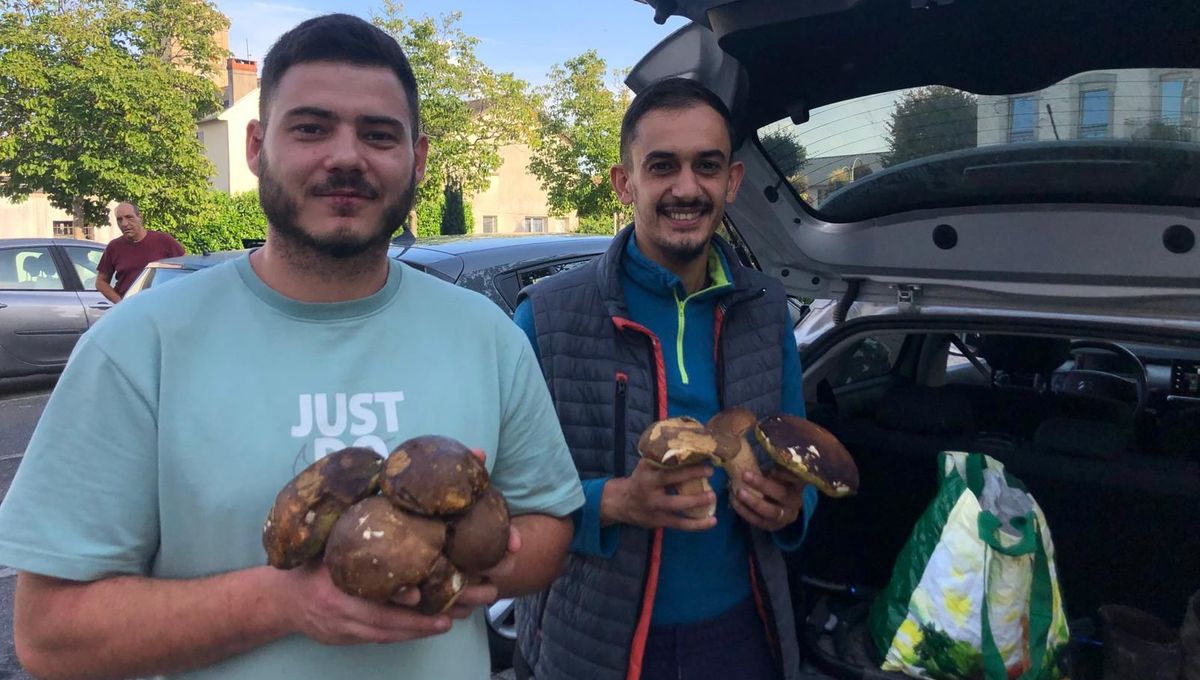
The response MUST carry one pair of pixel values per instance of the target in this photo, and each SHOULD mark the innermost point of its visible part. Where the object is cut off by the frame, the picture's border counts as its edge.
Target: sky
(524, 37)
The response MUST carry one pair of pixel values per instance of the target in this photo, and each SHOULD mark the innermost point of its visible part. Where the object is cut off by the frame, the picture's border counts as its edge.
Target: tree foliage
(787, 152)
(467, 110)
(226, 220)
(99, 101)
(931, 120)
(454, 218)
(580, 139)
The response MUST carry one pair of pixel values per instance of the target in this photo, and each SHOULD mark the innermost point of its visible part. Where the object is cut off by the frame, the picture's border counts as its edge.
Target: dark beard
(283, 216)
(684, 253)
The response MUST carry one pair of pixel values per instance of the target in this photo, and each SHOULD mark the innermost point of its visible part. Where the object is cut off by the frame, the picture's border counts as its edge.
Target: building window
(489, 224)
(65, 229)
(1095, 108)
(534, 225)
(1022, 119)
(1171, 100)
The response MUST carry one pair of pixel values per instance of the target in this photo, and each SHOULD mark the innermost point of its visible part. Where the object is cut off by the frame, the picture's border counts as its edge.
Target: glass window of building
(1022, 117)
(1095, 109)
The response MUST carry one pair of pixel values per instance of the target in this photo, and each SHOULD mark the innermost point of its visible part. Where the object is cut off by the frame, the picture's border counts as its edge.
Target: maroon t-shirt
(127, 259)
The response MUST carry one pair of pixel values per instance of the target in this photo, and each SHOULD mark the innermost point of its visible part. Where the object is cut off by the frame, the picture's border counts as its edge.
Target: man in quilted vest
(667, 323)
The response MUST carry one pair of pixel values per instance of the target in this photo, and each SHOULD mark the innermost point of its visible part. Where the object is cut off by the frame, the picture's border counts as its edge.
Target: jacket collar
(608, 273)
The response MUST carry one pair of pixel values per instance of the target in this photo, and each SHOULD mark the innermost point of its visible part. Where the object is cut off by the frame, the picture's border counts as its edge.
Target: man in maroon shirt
(128, 254)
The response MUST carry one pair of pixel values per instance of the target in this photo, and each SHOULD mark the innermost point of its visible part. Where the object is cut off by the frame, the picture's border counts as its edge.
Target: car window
(937, 146)
(85, 261)
(160, 275)
(28, 268)
(509, 285)
(873, 357)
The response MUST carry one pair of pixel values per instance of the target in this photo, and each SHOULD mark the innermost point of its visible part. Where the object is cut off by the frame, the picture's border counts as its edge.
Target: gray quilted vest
(605, 377)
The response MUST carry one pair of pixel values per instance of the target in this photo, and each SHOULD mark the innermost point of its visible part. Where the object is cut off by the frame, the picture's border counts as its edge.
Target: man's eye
(380, 136)
(708, 166)
(307, 129)
(660, 167)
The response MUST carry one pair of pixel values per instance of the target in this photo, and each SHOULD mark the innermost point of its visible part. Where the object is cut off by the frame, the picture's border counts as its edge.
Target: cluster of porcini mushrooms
(426, 517)
(799, 446)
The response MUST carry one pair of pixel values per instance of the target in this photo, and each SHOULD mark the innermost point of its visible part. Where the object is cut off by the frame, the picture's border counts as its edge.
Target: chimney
(243, 78)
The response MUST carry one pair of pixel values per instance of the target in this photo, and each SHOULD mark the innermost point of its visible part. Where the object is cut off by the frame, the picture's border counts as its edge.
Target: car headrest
(34, 266)
(1082, 438)
(924, 410)
(1023, 354)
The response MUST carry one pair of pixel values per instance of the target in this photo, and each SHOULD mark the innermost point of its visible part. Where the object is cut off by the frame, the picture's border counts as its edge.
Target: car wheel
(502, 633)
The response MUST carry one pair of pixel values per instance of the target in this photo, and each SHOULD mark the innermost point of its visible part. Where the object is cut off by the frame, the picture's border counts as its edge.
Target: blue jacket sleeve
(792, 536)
(523, 317)
(590, 538)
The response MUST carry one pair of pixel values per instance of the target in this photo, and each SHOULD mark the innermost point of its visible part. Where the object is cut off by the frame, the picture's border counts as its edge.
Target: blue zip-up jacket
(684, 324)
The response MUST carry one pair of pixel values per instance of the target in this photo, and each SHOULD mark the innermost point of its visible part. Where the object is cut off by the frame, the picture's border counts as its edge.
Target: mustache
(703, 206)
(339, 183)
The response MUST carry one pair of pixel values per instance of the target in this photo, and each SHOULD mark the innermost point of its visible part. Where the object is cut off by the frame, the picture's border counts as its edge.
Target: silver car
(48, 298)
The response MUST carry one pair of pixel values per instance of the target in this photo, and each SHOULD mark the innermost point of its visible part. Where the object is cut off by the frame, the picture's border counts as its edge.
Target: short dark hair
(337, 38)
(670, 94)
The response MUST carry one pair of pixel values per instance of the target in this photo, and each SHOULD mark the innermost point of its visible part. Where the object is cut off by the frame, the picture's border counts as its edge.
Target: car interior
(1104, 431)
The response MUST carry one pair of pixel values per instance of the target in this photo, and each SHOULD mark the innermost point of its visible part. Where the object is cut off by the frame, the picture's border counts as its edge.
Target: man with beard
(128, 254)
(136, 522)
(667, 323)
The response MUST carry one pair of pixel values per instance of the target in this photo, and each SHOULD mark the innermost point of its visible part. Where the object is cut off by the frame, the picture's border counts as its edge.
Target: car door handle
(101, 305)
(2, 305)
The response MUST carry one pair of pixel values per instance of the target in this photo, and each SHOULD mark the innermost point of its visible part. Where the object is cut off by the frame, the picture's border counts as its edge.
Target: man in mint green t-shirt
(135, 518)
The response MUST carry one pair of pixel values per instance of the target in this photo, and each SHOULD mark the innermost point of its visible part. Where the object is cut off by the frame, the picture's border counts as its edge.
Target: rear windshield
(1124, 136)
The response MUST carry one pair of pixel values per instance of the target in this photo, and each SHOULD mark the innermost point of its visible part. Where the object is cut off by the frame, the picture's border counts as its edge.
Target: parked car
(496, 266)
(1013, 188)
(48, 298)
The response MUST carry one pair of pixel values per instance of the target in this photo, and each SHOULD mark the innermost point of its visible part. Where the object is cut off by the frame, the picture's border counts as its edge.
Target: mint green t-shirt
(186, 409)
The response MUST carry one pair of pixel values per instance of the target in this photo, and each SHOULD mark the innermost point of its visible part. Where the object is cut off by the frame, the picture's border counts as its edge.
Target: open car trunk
(1120, 490)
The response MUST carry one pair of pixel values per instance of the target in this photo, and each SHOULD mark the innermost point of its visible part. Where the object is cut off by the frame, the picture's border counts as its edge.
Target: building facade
(1126, 104)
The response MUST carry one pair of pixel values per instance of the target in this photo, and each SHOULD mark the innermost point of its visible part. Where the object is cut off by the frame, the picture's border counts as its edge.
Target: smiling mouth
(683, 214)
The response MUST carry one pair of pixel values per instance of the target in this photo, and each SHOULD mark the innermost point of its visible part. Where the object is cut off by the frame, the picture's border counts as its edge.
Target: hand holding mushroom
(803, 453)
(435, 525)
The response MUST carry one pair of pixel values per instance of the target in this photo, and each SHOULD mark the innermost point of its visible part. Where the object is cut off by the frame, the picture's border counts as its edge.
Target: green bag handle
(1041, 614)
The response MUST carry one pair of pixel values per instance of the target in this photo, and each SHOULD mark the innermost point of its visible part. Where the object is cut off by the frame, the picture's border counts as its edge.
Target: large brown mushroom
(737, 422)
(681, 441)
(433, 475)
(441, 588)
(478, 539)
(376, 549)
(305, 510)
(810, 452)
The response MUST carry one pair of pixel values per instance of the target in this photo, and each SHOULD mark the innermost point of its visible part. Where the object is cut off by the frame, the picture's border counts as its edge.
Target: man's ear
(736, 172)
(619, 176)
(254, 143)
(420, 155)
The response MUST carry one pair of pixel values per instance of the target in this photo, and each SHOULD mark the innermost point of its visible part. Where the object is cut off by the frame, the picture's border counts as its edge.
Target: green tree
(579, 139)
(931, 120)
(454, 218)
(99, 101)
(467, 110)
(787, 152)
(226, 221)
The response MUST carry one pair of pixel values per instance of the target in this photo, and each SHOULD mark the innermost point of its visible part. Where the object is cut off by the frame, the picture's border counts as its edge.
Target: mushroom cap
(735, 421)
(433, 475)
(478, 539)
(305, 510)
(441, 588)
(377, 549)
(682, 441)
(810, 452)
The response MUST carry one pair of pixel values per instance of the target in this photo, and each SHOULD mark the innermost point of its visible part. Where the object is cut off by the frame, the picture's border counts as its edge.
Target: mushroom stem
(740, 464)
(697, 486)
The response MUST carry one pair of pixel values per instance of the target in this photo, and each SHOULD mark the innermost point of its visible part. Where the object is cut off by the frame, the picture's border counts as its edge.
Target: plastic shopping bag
(974, 593)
